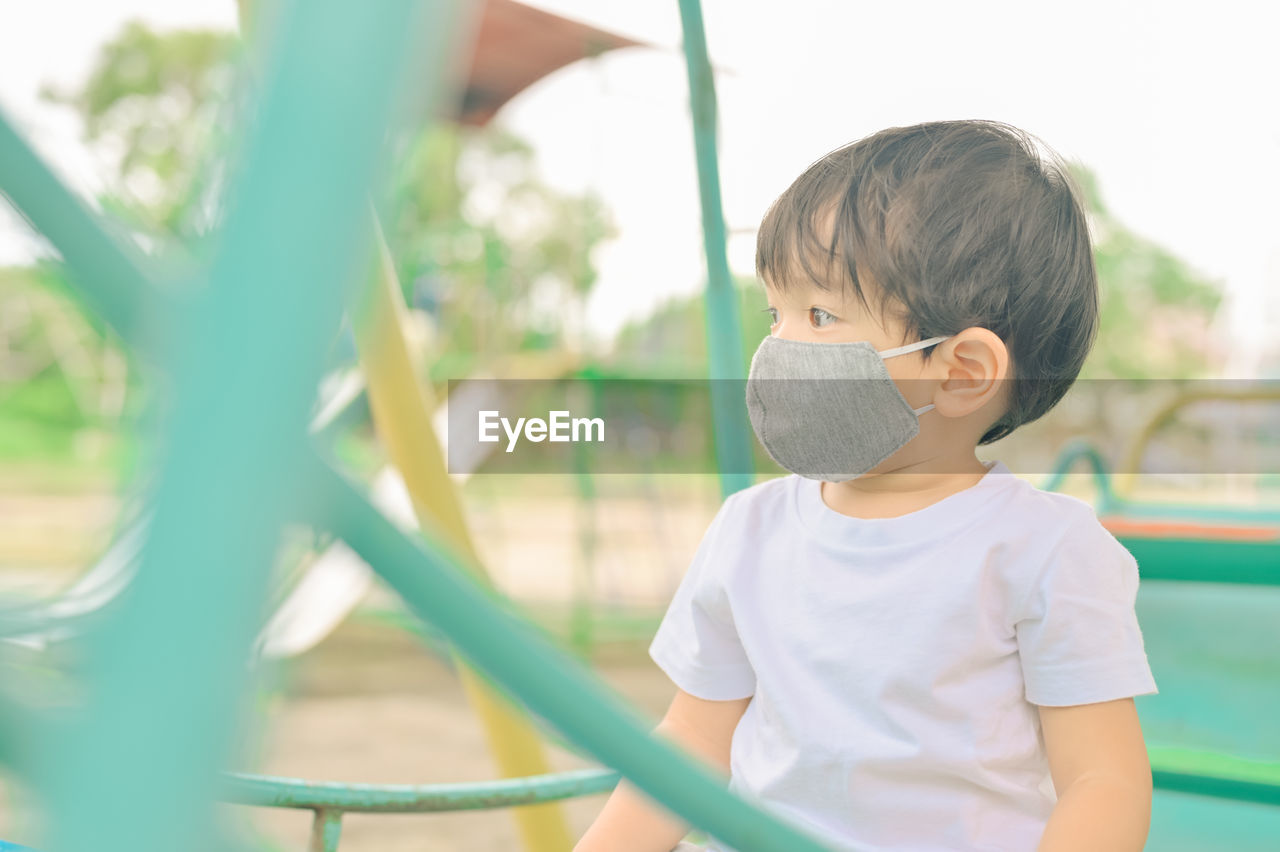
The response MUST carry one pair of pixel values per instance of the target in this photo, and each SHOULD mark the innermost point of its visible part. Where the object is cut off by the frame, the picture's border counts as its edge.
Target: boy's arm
(630, 820)
(1102, 775)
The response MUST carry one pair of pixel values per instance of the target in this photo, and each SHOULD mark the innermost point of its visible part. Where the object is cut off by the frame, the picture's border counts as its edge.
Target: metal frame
(241, 341)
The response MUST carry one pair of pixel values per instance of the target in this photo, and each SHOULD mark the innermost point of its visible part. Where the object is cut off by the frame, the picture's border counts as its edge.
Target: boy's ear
(973, 366)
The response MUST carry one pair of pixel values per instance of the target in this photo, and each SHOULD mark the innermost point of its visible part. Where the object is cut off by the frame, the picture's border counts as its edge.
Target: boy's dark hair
(959, 224)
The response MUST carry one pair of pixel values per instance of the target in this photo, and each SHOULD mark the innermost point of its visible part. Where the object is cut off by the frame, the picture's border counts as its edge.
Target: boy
(899, 647)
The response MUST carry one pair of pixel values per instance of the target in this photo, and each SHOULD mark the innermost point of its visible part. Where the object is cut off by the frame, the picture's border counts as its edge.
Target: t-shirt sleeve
(697, 644)
(1078, 635)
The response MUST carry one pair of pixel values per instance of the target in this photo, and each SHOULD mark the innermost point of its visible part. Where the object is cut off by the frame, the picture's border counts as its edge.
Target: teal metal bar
(430, 578)
(112, 277)
(326, 831)
(1077, 451)
(1218, 788)
(136, 768)
(270, 792)
(1110, 502)
(724, 326)
(1206, 560)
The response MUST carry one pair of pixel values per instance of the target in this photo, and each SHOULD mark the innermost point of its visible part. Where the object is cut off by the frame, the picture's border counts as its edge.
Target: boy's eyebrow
(839, 300)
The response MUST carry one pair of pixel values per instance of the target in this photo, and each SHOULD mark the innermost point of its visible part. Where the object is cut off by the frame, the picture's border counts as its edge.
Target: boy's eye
(819, 318)
(773, 315)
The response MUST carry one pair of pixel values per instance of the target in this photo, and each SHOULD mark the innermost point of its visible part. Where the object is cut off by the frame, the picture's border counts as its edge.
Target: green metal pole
(112, 277)
(136, 768)
(326, 831)
(329, 797)
(1220, 788)
(582, 607)
(724, 326)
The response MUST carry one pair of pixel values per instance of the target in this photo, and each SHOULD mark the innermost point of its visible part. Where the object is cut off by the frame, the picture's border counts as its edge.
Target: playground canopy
(517, 45)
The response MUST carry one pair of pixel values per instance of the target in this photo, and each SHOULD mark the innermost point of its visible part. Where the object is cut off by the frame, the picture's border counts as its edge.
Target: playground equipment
(98, 773)
(1207, 606)
(137, 767)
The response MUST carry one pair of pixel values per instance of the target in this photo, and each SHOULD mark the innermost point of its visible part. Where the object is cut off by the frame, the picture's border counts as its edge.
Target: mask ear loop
(911, 347)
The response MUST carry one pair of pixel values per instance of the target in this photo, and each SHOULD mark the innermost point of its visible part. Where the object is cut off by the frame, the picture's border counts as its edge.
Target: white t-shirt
(896, 663)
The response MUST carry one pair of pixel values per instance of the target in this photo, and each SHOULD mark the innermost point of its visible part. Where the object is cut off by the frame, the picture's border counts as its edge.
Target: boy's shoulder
(1050, 522)
(1028, 500)
(766, 505)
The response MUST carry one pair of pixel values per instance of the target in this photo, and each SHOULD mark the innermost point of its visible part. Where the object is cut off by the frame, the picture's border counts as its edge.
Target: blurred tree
(501, 261)
(151, 106)
(63, 381)
(1155, 309)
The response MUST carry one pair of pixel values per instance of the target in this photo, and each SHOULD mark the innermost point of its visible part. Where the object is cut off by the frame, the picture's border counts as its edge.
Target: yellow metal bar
(1125, 477)
(401, 408)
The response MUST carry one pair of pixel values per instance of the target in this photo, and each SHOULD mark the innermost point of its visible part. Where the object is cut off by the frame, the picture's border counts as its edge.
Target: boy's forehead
(800, 288)
(807, 252)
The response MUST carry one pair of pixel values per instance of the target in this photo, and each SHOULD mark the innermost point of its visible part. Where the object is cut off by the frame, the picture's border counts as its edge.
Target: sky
(1172, 104)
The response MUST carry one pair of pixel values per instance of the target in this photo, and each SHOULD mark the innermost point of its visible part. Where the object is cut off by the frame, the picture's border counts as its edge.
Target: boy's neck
(905, 488)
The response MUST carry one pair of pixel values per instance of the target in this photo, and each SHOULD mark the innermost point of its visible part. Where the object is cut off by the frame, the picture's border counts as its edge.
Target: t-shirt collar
(840, 531)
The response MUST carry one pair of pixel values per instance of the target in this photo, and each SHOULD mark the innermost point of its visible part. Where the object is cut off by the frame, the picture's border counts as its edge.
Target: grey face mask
(829, 410)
